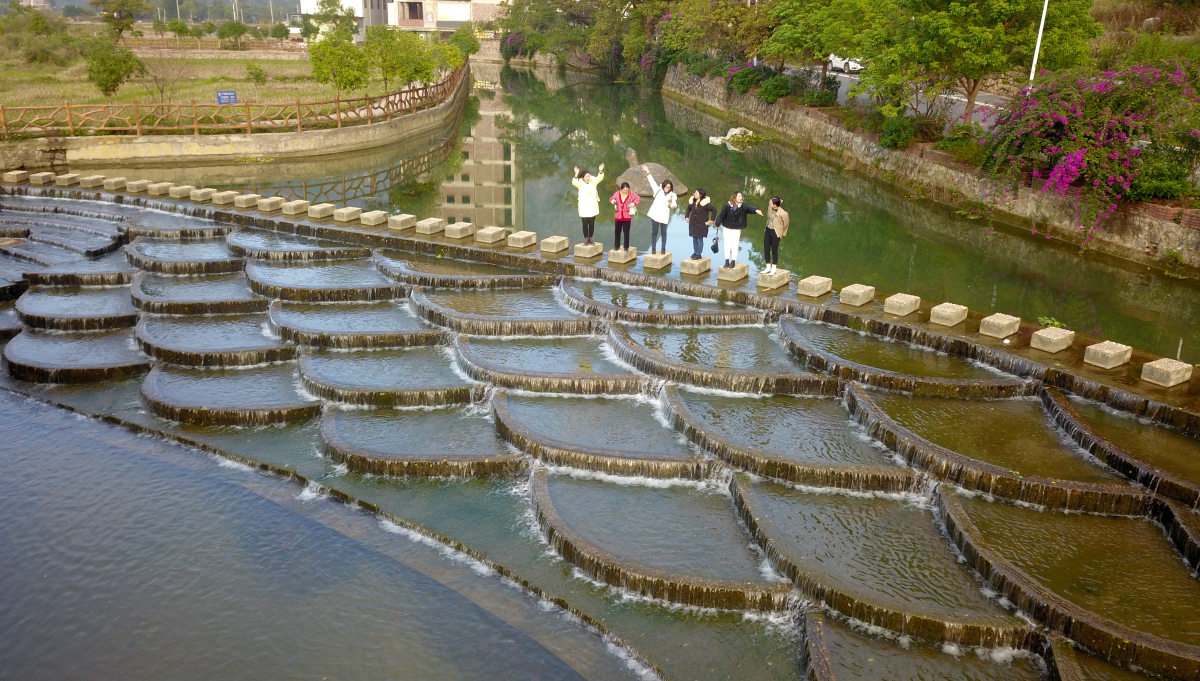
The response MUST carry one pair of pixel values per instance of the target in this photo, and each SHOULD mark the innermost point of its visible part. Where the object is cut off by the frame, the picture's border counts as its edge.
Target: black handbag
(715, 246)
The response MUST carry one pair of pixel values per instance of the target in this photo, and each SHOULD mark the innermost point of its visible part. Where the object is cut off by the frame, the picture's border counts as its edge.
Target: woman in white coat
(589, 199)
(660, 210)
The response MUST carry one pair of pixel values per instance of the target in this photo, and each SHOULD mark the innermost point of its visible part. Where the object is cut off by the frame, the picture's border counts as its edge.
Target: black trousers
(622, 232)
(771, 247)
(589, 227)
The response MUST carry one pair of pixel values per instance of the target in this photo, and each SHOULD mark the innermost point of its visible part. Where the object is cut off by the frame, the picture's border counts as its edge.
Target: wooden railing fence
(197, 119)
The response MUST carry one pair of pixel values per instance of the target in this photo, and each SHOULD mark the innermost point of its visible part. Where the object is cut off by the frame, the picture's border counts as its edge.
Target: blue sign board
(226, 96)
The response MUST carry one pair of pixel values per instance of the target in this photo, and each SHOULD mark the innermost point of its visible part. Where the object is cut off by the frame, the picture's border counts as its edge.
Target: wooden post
(70, 123)
(338, 103)
(370, 108)
(137, 118)
(299, 125)
(4, 119)
(249, 130)
(195, 119)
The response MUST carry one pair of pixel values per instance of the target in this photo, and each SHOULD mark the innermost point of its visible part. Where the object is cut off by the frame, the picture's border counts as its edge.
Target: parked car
(844, 65)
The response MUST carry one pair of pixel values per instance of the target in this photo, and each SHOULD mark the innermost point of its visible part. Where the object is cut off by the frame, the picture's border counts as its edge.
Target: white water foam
(312, 492)
(477, 566)
(708, 485)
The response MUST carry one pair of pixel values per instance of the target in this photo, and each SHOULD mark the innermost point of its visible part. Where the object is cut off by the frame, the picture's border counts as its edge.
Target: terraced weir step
(553, 365)
(213, 341)
(439, 272)
(205, 294)
(235, 397)
(407, 377)
(77, 308)
(419, 443)
(536, 312)
(646, 306)
(322, 282)
(387, 324)
(200, 256)
(157, 224)
(112, 269)
(260, 244)
(79, 357)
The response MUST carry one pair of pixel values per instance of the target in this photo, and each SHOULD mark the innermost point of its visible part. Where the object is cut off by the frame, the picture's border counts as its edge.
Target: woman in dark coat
(699, 215)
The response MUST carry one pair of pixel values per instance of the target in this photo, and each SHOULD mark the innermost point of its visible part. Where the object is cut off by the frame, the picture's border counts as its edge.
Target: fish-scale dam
(490, 463)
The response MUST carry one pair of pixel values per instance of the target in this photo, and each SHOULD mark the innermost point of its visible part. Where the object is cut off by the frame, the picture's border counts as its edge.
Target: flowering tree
(1096, 132)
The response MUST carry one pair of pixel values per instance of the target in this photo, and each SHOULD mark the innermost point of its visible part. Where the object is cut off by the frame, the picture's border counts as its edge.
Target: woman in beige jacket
(777, 226)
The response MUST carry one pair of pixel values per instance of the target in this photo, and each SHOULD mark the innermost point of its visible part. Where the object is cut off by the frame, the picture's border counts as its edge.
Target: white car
(844, 65)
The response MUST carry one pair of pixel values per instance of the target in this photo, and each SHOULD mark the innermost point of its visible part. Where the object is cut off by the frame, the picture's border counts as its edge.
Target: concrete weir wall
(1130, 234)
(111, 151)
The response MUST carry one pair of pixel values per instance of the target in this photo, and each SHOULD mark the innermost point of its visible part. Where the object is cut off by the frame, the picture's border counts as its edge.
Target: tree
(464, 39)
(110, 66)
(161, 72)
(209, 28)
(280, 32)
(256, 76)
(160, 28)
(119, 14)
(446, 57)
(232, 30)
(198, 33)
(339, 62)
(399, 57)
(811, 30)
(76, 12)
(179, 28)
(331, 17)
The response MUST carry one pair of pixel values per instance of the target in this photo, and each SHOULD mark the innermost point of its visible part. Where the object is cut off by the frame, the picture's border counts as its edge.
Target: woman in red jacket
(625, 203)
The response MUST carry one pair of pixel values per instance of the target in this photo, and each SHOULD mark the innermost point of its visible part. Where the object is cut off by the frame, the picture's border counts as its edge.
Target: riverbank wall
(1136, 234)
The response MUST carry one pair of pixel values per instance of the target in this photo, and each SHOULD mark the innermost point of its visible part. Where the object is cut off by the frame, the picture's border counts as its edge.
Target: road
(983, 103)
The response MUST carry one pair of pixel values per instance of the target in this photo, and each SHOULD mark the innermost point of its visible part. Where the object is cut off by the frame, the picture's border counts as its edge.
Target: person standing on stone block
(660, 210)
(777, 226)
(589, 199)
(699, 214)
(625, 202)
(732, 220)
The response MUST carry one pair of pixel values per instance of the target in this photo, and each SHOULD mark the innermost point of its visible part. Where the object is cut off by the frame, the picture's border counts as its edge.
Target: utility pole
(1038, 47)
(272, 4)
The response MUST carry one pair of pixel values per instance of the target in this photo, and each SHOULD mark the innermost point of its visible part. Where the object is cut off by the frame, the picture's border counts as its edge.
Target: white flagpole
(1038, 48)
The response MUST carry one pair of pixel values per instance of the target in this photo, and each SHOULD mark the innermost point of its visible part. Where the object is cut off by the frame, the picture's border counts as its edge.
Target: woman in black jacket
(699, 216)
(732, 221)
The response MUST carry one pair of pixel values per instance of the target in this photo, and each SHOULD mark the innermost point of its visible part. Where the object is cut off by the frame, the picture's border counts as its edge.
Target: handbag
(715, 246)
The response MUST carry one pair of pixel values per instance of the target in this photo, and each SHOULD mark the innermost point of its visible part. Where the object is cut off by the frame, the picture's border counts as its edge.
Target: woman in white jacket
(589, 199)
(660, 210)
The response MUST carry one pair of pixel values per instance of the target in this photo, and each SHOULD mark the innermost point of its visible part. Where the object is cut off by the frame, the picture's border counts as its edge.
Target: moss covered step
(554, 365)
(261, 244)
(416, 442)
(77, 308)
(875, 559)
(419, 376)
(1113, 584)
(236, 397)
(895, 365)
(647, 306)
(679, 543)
(212, 341)
(383, 324)
(503, 313)
(803, 440)
(619, 436)
(86, 357)
(157, 224)
(112, 269)
(205, 294)
(742, 359)
(439, 272)
(195, 256)
(325, 281)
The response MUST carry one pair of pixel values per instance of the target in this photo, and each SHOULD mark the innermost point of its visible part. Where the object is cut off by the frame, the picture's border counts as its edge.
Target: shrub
(897, 132)
(965, 143)
(742, 79)
(820, 98)
(1163, 175)
(773, 88)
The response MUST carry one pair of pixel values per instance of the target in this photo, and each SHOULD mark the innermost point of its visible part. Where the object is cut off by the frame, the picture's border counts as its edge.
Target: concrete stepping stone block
(591, 250)
(246, 200)
(775, 280)
(656, 261)
(430, 226)
(373, 217)
(620, 257)
(67, 180)
(402, 222)
(1107, 355)
(555, 244)
(948, 314)
(738, 272)
(814, 286)
(856, 295)
(321, 210)
(91, 181)
(41, 178)
(202, 194)
(270, 204)
(1052, 339)
(1166, 372)
(298, 207)
(700, 267)
(490, 235)
(521, 239)
(159, 188)
(460, 230)
(347, 214)
(16, 176)
(114, 184)
(901, 304)
(224, 198)
(181, 191)
(139, 186)
(999, 325)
